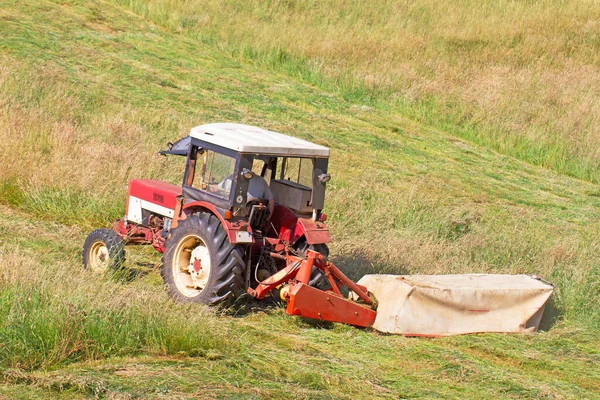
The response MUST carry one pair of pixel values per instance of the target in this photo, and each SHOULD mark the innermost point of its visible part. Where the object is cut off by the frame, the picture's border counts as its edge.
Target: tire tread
(114, 243)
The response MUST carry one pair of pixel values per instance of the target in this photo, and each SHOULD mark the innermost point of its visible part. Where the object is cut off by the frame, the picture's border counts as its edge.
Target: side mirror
(179, 148)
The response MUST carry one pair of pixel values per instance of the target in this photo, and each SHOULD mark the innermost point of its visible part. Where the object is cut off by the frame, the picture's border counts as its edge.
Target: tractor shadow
(246, 305)
(358, 264)
(133, 271)
(141, 269)
(140, 262)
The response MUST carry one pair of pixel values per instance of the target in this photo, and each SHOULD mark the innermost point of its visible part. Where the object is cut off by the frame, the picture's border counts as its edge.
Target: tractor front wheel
(103, 250)
(200, 265)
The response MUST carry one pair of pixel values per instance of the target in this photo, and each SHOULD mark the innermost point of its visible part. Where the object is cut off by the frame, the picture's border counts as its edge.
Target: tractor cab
(227, 164)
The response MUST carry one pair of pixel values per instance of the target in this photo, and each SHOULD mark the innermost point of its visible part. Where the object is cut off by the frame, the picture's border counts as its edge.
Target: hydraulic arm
(309, 302)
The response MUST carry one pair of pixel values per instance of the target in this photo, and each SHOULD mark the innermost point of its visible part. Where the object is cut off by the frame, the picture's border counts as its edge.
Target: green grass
(90, 91)
(95, 337)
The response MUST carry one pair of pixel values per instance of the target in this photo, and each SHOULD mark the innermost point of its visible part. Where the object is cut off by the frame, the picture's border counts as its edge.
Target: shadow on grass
(552, 314)
(357, 264)
(128, 274)
(246, 304)
(141, 269)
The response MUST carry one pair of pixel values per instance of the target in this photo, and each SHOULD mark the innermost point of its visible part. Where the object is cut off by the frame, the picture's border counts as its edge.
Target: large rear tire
(103, 250)
(200, 265)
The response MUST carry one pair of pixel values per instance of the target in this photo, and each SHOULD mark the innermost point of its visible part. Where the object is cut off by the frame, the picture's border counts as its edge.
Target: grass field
(518, 77)
(90, 91)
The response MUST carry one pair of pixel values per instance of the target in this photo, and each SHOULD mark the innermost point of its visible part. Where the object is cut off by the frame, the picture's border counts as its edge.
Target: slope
(517, 77)
(90, 92)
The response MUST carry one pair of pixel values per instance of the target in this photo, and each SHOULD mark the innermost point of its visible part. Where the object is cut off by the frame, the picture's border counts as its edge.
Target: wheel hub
(199, 267)
(99, 257)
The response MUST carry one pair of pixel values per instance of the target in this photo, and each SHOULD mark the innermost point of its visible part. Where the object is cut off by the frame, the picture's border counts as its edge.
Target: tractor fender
(230, 227)
(316, 232)
(289, 227)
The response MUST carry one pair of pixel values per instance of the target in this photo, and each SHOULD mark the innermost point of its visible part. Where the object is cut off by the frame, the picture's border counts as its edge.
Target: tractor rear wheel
(200, 265)
(317, 278)
(103, 250)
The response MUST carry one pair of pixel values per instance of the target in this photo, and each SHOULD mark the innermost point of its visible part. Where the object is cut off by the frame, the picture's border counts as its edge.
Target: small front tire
(103, 250)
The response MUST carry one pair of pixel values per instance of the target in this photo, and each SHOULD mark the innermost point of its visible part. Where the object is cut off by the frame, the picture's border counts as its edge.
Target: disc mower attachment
(443, 305)
(309, 302)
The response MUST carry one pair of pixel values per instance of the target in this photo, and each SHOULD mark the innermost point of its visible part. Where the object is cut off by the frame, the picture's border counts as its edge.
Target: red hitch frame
(135, 234)
(309, 302)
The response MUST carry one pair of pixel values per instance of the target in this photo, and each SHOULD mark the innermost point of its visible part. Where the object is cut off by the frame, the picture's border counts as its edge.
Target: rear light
(323, 217)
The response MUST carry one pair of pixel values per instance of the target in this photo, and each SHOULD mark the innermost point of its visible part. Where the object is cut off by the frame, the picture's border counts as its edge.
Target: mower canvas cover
(443, 305)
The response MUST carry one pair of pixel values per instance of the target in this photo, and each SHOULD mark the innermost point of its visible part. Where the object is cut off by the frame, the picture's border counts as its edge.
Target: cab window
(297, 170)
(214, 173)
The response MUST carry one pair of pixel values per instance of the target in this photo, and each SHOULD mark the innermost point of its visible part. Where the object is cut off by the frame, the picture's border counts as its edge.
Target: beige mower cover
(442, 305)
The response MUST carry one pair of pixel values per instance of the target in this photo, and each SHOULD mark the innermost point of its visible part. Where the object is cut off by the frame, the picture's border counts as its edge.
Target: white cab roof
(250, 139)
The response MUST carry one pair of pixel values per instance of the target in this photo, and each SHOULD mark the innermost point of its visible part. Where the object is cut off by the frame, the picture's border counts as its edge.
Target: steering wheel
(252, 203)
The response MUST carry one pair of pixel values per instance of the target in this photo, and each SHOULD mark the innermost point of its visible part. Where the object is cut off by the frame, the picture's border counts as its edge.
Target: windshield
(214, 173)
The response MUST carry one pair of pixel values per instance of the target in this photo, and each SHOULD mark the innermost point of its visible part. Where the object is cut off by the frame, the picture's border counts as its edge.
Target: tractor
(220, 240)
(248, 220)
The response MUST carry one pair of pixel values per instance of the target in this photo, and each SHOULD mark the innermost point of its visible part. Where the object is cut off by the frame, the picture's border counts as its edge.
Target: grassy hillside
(90, 92)
(519, 77)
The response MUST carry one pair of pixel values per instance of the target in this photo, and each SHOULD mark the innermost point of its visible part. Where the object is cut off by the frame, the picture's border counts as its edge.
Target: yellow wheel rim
(191, 266)
(99, 258)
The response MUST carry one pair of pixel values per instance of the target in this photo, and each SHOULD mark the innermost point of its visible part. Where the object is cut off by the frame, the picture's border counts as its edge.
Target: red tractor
(248, 219)
(221, 238)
